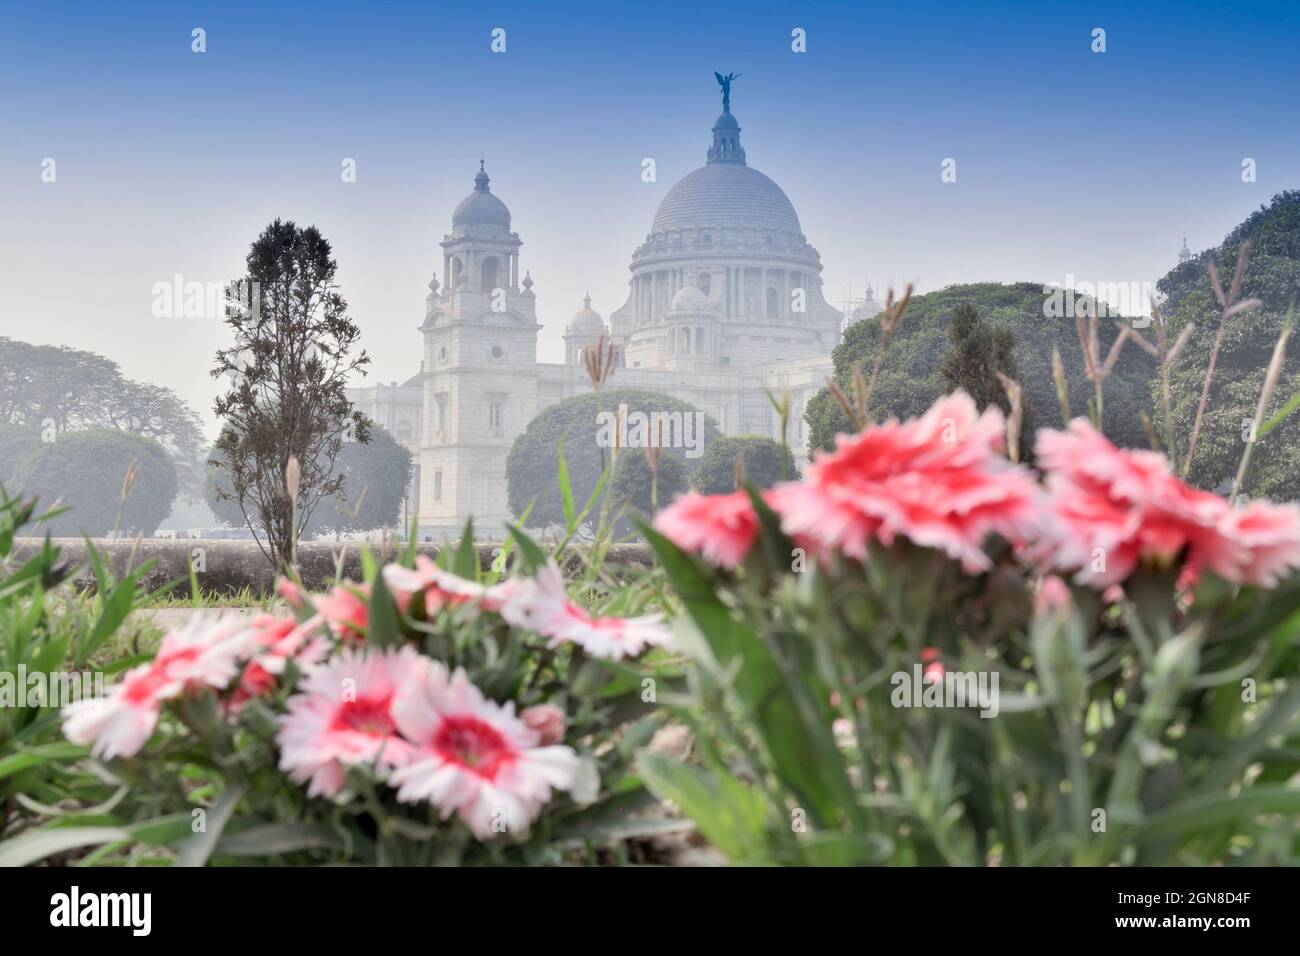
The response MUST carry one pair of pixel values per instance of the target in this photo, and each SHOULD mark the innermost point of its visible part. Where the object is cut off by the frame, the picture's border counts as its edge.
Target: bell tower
(480, 362)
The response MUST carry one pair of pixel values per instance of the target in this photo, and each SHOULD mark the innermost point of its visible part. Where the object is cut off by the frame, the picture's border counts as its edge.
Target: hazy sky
(170, 162)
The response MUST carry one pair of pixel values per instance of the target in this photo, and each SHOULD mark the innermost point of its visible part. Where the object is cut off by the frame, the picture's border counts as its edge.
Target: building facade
(725, 305)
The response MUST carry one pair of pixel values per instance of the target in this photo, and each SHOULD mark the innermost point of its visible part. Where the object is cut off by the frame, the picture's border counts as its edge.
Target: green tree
(375, 479)
(764, 462)
(15, 440)
(65, 390)
(976, 354)
(636, 491)
(910, 379)
(376, 476)
(290, 362)
(578, 426)
(1272, 276)
(86, 472)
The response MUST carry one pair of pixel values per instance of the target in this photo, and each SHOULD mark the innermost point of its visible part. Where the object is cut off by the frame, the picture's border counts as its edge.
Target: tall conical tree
(978, 351)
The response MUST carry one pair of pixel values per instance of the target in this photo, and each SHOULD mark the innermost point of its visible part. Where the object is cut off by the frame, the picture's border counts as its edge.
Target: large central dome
(726, 194)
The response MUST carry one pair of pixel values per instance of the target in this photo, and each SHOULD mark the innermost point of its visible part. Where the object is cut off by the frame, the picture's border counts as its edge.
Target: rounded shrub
(585, 428)
(86, 472)
(762, 461)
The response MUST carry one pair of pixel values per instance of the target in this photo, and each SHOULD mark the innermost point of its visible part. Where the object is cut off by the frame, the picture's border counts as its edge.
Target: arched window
(686, 341)
(699, 340)
(457, 269)
(489, 276)
(704, 282)
(773, 304)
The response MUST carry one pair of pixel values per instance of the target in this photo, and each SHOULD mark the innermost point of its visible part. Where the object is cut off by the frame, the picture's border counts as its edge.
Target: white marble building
(725, 303)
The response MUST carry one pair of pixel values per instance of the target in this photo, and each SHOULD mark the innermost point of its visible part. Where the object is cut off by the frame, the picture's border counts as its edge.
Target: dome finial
(725, 83)
(726, 146)
(481, 180)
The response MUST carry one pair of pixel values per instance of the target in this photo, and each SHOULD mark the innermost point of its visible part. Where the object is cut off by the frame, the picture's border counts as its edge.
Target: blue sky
(1068, 162)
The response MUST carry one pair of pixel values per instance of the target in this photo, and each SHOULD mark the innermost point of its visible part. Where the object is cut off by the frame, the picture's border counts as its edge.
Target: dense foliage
(763, 462)
(51, 637)
(879, 678)
(292, 357)
(329, 730)
(1272, 276)
(977, 354)
(15, 440)
(87, 472)
(57, 390)
(910, 377)
(375, 480)
(638, 490)
(575, 425)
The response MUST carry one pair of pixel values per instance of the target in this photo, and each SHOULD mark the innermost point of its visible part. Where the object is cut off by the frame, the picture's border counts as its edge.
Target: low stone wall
(228, 567)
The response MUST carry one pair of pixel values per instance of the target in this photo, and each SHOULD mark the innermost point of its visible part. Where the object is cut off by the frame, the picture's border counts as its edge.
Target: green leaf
(566, 490)
(465, 561)
(196, 850)
(532, 556)
(385, 627)
(36, 845)
(606, 832)
(1276, 721)
(735, 825)
(845, 849)
(164, 830)
(799, 741)
(1202, 813)
(274, 839)
(115, 607)
(1282, 415)
(35, 756)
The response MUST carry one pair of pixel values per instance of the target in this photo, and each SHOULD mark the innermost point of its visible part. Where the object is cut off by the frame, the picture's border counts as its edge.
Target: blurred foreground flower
(1112, 509)
(206, 653)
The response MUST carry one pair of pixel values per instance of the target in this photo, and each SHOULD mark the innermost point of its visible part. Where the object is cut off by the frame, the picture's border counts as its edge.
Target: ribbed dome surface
(481, 209)
(726, 194)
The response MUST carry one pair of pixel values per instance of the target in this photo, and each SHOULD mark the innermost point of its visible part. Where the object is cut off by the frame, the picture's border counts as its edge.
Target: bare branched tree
(288, 366)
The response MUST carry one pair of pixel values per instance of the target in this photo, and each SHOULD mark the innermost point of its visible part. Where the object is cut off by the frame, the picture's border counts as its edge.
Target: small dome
(726, 121)
(586, 324)
(867, 310)
(690, 299)
(480, 208)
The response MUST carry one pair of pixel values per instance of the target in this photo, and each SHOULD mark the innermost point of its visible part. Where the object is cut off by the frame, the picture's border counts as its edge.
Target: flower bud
(547, 720)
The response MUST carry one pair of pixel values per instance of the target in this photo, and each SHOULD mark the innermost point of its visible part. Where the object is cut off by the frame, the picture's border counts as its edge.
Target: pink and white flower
(205, 653)
(343, 717)
(940, 481)
(541, 604)
(719, 528)
(1113, 509)
(473, 757)
(441, 589)
(272, 642)
(346, 611)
